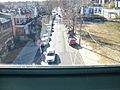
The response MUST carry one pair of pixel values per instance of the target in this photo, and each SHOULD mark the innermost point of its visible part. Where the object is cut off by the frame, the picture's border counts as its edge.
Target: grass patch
(108, 35)
(112, 26)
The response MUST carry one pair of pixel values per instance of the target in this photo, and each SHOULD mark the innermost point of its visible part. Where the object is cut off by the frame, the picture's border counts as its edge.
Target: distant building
(23, 24)
(23, 18)
(110, 13)
(102, 2)
(85, 10)
(6, 36)
(91, 10)
(117, 3)
(97, 8)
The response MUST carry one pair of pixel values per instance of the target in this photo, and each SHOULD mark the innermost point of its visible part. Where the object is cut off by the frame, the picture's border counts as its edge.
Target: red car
(70, 32)
(72, 41)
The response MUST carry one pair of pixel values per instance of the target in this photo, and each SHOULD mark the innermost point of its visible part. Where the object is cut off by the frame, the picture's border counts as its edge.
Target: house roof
(3, 20)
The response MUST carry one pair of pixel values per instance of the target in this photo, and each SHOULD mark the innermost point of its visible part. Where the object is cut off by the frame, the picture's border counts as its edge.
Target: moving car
(50, 55)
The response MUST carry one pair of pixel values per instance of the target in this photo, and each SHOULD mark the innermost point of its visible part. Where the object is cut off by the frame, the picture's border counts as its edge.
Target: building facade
(22, 26)
(6, 37)
(24, 23)
(98, 9)
(117, 3)
(102, 2)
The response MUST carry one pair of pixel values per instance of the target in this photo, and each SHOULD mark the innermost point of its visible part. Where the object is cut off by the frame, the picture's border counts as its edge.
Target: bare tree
(72, 10)
(1, 6)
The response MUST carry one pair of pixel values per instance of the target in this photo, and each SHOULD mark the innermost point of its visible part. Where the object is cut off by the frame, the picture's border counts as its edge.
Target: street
(65, 54)
(60, 32)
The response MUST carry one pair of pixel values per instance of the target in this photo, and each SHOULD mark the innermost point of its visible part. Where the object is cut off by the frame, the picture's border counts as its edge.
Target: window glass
(79, 32)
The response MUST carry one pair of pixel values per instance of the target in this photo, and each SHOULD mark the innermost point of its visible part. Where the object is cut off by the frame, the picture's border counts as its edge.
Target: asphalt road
(66, 55)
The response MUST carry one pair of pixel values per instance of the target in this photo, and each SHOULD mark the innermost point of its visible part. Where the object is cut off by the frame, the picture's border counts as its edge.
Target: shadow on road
(57, 60)
(76, 46)
(44, 48)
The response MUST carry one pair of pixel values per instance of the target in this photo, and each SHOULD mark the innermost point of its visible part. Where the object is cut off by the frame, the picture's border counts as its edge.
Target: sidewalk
(89, 57)
(27, 54)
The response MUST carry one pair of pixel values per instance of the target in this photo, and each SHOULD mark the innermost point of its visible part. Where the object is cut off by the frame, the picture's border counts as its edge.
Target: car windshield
(82, 32)
(50, 54)
(72, 41)
(71, 36)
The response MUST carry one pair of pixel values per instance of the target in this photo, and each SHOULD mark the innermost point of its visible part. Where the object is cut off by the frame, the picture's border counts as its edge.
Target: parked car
(71, 32)
(50, 55)
(45, 40)
(72, 41)
(48, 28)
(71, 36)
(45, 35)
(59, 16)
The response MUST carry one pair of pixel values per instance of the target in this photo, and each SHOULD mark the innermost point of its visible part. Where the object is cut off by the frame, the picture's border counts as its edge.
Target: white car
(50, 55)
(48, 28)
(45, 35)
(45, 40)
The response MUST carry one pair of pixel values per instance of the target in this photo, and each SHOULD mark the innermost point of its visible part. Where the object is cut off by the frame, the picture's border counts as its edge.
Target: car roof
(46, 34)
(50, 49)
(72, 38)
(44, 38)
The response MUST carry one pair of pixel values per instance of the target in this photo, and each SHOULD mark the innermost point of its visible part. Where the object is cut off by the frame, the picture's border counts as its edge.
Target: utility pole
(74, 18)
(80, 30)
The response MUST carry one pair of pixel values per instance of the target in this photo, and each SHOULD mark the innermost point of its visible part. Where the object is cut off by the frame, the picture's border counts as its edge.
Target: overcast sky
(19, 0)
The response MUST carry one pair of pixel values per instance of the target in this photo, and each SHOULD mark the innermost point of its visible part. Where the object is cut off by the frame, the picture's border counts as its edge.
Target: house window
(6, 25)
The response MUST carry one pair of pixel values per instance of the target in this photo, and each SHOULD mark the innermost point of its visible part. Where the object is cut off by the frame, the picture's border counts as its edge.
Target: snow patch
(89, 57)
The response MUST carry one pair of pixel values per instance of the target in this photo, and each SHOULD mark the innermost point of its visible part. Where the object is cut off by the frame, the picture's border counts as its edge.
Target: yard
(10, 57)
(105, 41)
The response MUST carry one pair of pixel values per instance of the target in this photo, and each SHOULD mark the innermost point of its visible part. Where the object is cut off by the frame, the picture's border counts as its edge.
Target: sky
(19, 0)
